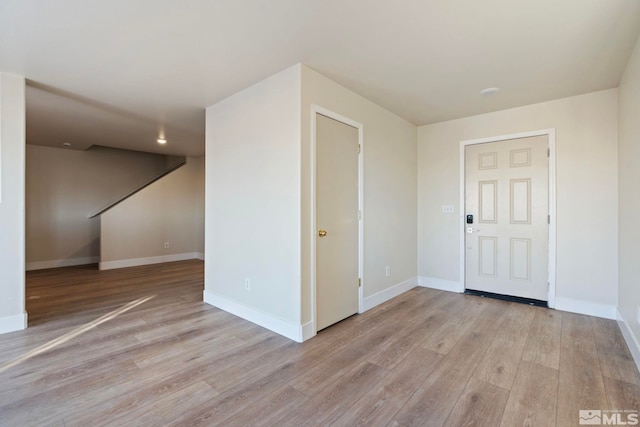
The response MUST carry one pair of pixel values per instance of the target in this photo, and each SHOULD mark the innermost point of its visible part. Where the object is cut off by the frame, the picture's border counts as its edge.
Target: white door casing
(336, 208)
(508, 185)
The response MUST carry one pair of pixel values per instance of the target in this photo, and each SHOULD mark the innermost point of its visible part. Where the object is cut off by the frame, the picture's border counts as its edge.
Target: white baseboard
(586, 307)
(109, 265)
(259, 317)
(17, 322)
(441, 284)
(57, 263)
(308, 331)
(630, 338)
(389, 293)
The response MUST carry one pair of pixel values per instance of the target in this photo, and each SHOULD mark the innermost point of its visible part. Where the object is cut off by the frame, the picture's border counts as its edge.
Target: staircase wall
(64, 187)
(171, 210)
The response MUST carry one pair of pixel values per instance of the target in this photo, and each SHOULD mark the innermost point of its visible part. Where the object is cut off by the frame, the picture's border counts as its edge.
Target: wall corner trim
(108, 265)
(13, 323)
(389, 293)
(441, 284)
(630, 338)
(308, 331)
(266, 320)
(586, 307)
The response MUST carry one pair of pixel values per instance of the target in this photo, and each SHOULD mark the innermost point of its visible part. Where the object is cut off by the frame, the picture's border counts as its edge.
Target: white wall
(12, 184)
(169, 210)
(390, 188)
(629, 179)
(64, 187)
(587, 197)
(199, 203)
(253, 202)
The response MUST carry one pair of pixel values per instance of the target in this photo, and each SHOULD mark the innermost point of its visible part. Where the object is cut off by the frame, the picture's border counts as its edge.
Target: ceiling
(119, 72)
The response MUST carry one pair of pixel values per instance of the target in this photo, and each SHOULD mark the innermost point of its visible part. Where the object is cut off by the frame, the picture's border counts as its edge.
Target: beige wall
(169, 210)
(253, 202)
(587, 197)
(65, 187)
(390, 187)
(629, 178)
(199, 189)
(12, 166)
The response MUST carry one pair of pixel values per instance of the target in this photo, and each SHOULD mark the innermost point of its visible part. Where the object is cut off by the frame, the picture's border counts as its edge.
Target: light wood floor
(427, 357)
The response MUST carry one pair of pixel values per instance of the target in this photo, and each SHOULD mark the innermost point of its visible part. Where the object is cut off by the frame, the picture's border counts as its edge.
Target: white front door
(336, 220)
(506, 217)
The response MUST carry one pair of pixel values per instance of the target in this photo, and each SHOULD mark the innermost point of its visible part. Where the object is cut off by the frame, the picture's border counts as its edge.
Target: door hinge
(548, 219)
(359, 282)
(359, 148)
(548, 152)
(359, 215)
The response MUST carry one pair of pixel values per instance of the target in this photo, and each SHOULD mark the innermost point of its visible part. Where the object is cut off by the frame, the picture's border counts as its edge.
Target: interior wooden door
(506, 223)
(337, 221)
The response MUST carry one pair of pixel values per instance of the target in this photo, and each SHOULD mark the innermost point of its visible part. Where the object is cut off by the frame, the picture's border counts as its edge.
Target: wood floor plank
(378, 406)
(175, 354)
(242, 396)
(250, 368)
(622, 395)
(500, 363)
(543, 345)
(53, 403)
(280, 403)
(448, 335)
(329, 404)
(417, 330)
(130, 408)
(335, 365)
(615, 358)
(163, 410)
(481, 404)
(533, 397)
(580, 378)
(433, 401)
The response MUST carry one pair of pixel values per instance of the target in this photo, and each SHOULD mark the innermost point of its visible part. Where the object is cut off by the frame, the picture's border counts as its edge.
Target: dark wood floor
(92, 357)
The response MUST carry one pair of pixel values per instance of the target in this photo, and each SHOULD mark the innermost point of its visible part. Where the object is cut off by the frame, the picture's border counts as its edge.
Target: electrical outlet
(638, 315)
(447, 209)
(387, 271)
(166, 245)
(247, 284)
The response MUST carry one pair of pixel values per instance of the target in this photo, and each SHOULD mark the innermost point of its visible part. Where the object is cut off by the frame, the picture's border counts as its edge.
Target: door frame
(551, 137)
(316, 109)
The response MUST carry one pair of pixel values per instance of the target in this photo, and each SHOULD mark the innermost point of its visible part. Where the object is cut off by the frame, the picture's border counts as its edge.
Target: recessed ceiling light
(162, 141)
(66, 144)
(489, 91)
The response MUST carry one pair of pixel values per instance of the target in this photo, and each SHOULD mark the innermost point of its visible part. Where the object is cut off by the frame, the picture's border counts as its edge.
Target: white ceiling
(116, 72)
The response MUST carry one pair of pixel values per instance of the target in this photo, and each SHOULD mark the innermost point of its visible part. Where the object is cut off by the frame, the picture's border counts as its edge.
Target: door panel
(506, 191)
(337, 214)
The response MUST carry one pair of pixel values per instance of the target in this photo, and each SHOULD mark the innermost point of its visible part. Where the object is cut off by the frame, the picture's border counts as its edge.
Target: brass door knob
(322, 233)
